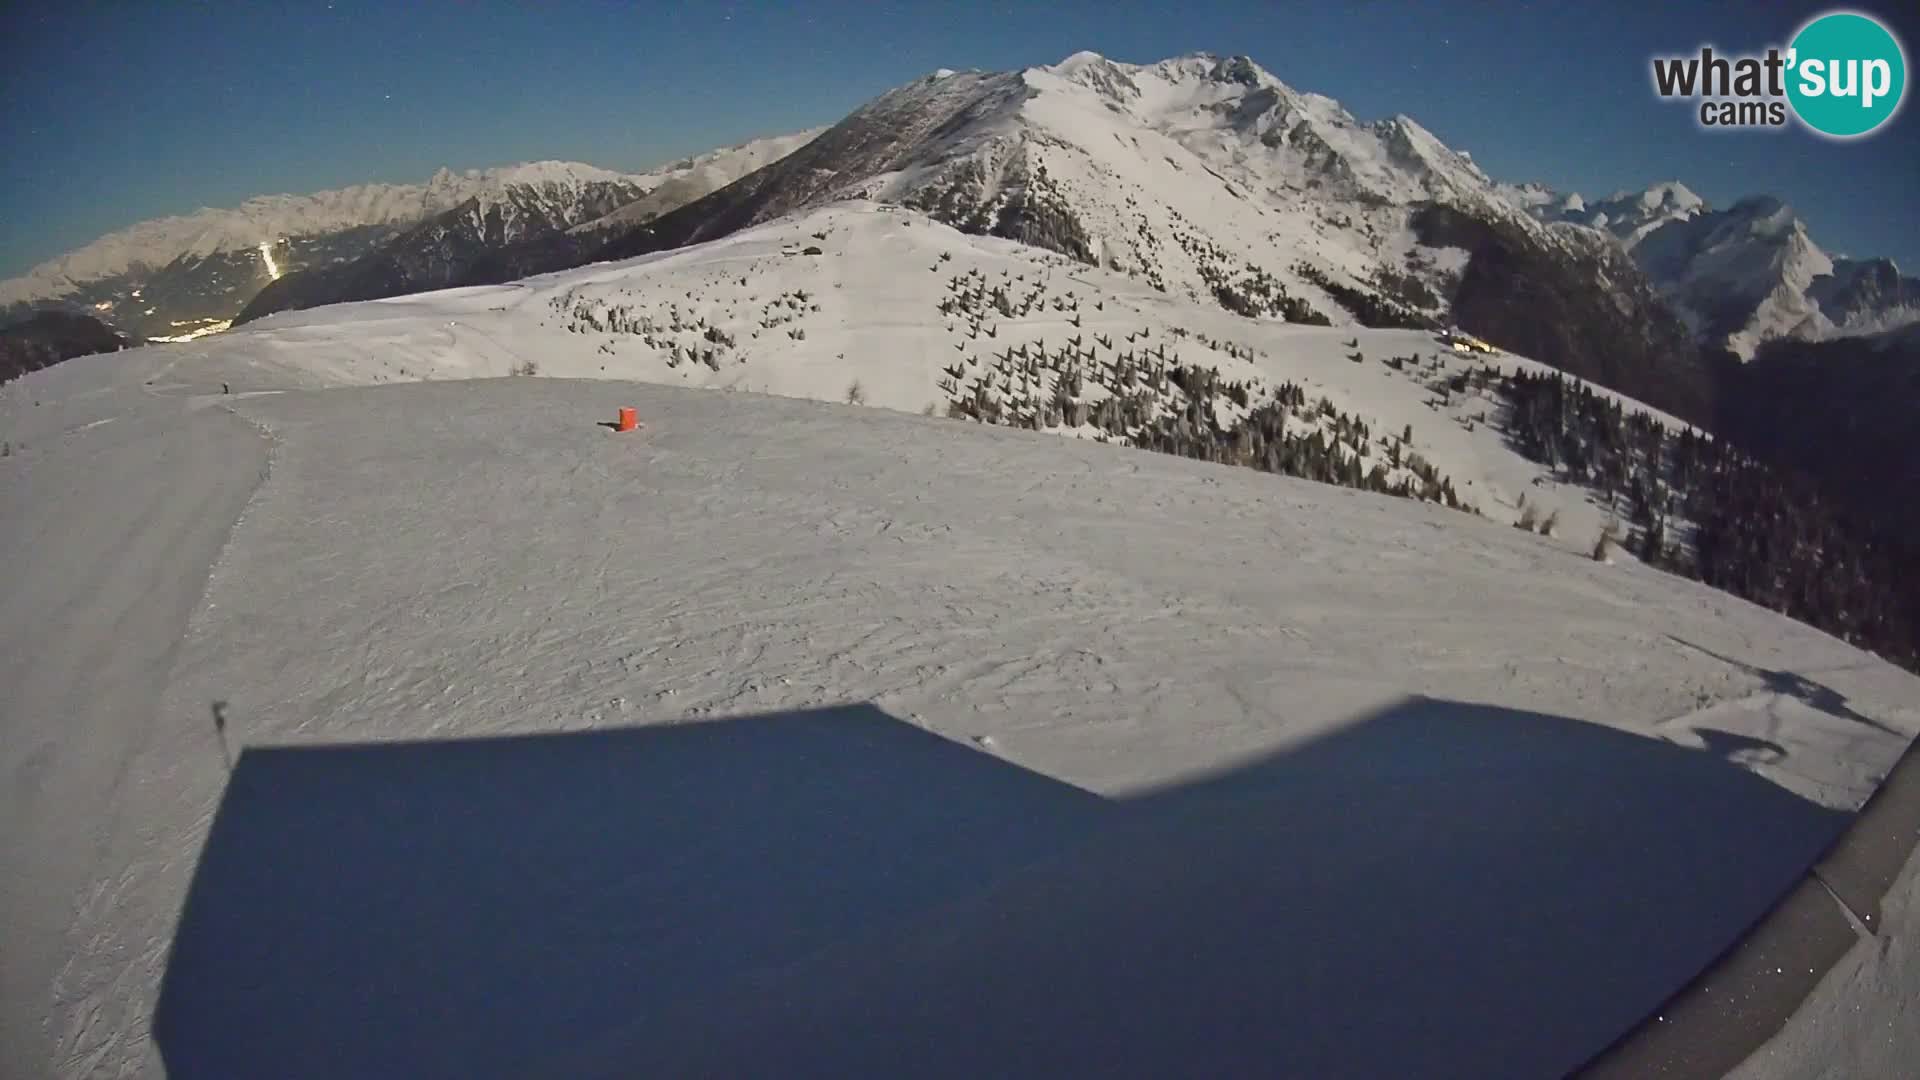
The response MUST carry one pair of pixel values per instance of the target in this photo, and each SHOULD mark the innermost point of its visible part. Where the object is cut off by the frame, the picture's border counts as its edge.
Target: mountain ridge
(189, 274)
(1209, 177)
(265, 218)
(1324, 226)
(1747, 274)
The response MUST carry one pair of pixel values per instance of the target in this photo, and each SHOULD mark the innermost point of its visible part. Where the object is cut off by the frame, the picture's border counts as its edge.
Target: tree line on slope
(1705, 509)
(1131, 388)
(1376, 310)
(1192, 411)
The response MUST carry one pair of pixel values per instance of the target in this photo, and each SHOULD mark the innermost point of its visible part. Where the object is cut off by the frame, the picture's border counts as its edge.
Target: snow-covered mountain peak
(1078, 62)
(564, 173)
(1213, 68)
(1670, 194)
(1628, 215)
(1245, 120)
(1764, 216)
(1741, 274)
(1204, 175)
(1096, 72)
(1182, 81)
(1762, 221)
(1422, 151)
(1673, 195)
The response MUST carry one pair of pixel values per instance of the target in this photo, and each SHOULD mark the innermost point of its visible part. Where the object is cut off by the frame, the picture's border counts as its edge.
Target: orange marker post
(629, 419)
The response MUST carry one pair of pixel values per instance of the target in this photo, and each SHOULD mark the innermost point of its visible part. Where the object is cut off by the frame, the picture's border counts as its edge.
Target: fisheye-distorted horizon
(117, 114)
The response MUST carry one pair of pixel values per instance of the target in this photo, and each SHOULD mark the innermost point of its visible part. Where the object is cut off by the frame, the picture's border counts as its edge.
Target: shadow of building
(1436, 889)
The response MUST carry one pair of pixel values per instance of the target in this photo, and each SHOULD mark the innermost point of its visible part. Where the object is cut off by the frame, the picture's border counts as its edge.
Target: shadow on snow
(1814, 695)
(1437, 889)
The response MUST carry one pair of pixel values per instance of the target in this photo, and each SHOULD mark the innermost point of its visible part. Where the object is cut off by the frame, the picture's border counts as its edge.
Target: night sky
(115, 113)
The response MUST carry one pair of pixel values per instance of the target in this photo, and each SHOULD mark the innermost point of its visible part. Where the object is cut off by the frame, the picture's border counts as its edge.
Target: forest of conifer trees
(1702, 508)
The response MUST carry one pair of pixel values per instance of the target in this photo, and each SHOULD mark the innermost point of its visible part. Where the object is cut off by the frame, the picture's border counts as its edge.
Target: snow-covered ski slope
(754, 312)
(841, 720)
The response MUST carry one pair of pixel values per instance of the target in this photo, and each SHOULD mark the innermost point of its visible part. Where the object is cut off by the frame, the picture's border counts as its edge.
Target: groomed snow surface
(434, 729)
(867, 311)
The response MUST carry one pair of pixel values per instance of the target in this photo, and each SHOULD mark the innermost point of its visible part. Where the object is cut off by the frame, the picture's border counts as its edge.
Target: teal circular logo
(1846, 74)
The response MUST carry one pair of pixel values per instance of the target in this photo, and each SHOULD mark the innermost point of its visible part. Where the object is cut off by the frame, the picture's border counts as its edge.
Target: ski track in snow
(476, 558)
(116, 532)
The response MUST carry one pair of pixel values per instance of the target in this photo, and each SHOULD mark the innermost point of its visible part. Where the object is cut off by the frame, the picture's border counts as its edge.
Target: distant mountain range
(490, 238)
(1204, 176)
(1744, 275)
(1209, 177)
(1207, 181)
(182, 276)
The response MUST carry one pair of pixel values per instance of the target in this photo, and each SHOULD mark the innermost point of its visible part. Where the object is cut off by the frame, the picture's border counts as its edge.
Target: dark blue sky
(115, 113)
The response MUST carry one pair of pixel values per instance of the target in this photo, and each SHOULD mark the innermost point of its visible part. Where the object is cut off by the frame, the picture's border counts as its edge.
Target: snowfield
(868, 310)
(369, 713)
